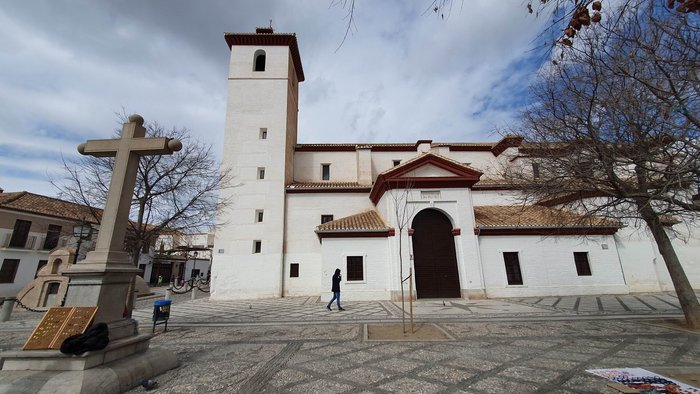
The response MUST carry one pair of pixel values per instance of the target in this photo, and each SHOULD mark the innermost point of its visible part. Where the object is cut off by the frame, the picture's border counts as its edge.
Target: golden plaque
(58, 324)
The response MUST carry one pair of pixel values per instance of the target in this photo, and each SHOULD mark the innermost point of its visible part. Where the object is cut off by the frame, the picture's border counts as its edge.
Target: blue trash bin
(161, 313)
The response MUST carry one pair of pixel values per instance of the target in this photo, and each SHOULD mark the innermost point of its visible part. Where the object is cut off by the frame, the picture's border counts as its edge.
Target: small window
(20, 233)
(355, 269)
(325, 172)
(513, 273)
(39, 266)
(261, 172)
(263, 133)
(535, 170)
(257, 246)
(259, 216)
(259, 60)
(294, 270)
(52, 236)
(8, 270)
(326, 218)
(583, 267)
(397, 162)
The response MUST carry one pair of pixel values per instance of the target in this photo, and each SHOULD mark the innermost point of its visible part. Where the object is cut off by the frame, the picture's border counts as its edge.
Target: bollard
(7, 305)
(194, 292)
(168, 292)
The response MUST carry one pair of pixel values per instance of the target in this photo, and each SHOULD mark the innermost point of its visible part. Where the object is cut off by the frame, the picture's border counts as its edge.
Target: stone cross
(126, 151)
(104, 277)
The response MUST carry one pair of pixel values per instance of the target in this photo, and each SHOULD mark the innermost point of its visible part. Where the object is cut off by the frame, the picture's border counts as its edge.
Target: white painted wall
(343, 166)
(30, 256)
(302, 245)
(645, 267)
(255, 100)
(382, 161)
(495, 197)
(375, 252)
(547, 266)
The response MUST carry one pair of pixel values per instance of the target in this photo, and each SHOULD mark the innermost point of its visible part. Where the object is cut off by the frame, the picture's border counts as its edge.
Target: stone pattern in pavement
(312, 309)
(486, 357)
(295, 345)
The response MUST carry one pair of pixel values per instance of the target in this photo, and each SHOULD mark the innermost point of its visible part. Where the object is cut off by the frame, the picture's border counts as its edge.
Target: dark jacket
(336, 283)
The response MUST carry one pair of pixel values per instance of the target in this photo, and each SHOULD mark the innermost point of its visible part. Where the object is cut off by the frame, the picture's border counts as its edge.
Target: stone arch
(55, 264)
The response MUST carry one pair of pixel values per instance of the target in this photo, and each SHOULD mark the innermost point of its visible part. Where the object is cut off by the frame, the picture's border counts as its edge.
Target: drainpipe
(619, 260)
(284, 242)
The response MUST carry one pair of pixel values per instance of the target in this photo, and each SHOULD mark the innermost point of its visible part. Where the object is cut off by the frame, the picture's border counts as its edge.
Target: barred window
(513, 273)
(294, 270)
(355, 268)
(8, 270)
(20, 233)
(583, 267)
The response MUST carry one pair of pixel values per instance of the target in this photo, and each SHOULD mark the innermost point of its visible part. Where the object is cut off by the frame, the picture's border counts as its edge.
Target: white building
(303, 210)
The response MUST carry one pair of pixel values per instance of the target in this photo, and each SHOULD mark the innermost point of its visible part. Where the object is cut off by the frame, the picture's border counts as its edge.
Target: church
(381, 211)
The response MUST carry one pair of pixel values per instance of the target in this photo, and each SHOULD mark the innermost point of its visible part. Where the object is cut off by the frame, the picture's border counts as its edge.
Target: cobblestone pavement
(484, 357)
(312, 309)
(523, 345)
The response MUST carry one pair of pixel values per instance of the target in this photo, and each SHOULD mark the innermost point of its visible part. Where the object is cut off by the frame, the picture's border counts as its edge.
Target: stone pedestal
(122, 365)
(103, 279)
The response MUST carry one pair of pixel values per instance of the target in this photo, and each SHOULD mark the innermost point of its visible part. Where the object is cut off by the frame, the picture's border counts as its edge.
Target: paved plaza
(523, 345)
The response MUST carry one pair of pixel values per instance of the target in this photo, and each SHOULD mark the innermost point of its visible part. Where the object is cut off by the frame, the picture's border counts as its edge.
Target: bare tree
(615, 129)
(174, 193)
(568, 17)
(403, 212)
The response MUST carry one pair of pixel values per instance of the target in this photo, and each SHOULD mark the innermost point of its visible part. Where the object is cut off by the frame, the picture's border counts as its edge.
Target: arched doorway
(434, 256)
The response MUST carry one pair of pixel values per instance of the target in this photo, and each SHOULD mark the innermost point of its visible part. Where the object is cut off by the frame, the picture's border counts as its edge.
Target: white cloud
(401, 76)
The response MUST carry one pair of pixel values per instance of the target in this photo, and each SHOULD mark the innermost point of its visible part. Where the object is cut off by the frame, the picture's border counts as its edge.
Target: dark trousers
(336, 298)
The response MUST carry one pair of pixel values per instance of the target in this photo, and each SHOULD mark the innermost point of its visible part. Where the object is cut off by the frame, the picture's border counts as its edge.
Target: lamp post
(82, 230)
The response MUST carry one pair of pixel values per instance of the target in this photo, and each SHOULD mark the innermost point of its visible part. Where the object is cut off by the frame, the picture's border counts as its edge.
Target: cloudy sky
(403, 74)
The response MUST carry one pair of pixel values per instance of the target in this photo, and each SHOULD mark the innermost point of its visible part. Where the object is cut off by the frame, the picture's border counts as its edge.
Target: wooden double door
(435, 260)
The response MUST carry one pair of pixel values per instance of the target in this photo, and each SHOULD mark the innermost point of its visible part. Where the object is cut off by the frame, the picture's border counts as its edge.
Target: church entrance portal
(434, 256)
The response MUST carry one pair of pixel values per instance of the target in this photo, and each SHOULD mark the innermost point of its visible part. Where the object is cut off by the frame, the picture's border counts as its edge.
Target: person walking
(336, 291)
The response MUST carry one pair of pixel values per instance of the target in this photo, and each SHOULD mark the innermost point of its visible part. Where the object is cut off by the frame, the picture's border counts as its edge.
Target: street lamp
(82, 230)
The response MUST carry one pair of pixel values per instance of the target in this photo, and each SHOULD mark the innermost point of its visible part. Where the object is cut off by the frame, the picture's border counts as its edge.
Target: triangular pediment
(428, 170)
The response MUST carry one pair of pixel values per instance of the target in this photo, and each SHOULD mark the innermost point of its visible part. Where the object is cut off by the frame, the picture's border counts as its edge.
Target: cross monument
(103, 278)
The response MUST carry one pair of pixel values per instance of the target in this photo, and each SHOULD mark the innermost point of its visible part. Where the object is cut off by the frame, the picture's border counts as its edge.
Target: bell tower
(259, 139)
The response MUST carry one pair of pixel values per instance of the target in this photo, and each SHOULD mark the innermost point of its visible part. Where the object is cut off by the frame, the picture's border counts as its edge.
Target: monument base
(122, 365)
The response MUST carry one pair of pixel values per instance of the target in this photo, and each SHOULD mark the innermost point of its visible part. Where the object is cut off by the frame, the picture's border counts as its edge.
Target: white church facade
(374, 210)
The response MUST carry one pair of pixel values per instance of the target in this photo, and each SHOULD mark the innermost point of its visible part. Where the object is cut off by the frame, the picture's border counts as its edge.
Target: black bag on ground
(95, 338)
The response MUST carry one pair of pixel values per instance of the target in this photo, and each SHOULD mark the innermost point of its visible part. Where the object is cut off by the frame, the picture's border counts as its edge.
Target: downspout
(622, 269)
(481, 263)
(284, 243)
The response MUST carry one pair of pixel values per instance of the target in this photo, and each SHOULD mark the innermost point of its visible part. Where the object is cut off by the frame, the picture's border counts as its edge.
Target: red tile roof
(47, 206)
(509, 216)
(327, 186)
(366, 222)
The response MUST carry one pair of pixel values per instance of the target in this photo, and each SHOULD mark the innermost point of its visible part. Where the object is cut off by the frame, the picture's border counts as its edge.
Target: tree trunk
(686, 294)
(403, 307)
(130, 298)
